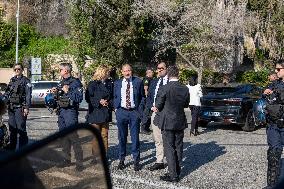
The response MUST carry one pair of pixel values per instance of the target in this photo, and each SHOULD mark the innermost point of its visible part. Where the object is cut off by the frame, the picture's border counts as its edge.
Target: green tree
(81, 39)
(106, 30)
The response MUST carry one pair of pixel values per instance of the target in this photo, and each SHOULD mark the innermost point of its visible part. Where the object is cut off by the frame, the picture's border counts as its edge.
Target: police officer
(275, 129)
(69, 94)
(146, 118)
(18, 97)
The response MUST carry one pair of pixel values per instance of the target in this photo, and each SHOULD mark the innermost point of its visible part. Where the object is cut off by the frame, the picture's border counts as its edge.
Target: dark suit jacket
(171, 100)
(138, 93)
(96, 91)
(151, 93)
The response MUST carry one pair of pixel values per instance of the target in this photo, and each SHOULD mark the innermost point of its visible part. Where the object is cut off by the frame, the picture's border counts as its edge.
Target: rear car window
(44, 85)
(219, 90)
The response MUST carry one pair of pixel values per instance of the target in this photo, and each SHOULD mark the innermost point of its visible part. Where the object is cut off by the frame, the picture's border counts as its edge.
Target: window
(44, 85)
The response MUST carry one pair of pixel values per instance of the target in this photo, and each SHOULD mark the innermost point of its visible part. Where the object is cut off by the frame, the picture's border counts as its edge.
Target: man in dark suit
(170, 103)
(128, 95)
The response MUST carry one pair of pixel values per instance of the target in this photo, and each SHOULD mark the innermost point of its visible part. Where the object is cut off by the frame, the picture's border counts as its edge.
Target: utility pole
(17, 37)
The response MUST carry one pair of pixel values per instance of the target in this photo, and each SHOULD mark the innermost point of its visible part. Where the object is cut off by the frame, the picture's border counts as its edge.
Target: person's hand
(53, 90)
(154, 109)
(65, 88)
(267, 91)
(103, 102)
(26, 112)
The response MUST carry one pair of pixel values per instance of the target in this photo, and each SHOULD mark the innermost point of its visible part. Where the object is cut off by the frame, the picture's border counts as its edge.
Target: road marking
(64, 176)
(149, 182)
(48, 116)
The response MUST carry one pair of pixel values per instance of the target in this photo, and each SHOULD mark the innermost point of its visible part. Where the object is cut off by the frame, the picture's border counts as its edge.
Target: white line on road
(149, 182)
(48, 116)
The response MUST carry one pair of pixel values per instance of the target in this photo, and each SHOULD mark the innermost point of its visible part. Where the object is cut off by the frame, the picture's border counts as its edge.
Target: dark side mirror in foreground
(72, 158)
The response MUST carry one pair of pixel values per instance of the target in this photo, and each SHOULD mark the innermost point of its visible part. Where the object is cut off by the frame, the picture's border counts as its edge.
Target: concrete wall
(6, 74)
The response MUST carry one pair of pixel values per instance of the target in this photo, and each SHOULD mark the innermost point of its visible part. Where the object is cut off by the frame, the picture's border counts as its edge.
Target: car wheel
(250, 122)
(202, 123)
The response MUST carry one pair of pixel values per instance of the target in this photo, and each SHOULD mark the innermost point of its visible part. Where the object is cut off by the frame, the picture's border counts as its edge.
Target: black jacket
(96, 91)
(171, 100)
(22, 86)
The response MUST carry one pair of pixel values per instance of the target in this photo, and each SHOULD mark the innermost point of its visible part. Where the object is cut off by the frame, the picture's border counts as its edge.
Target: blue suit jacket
(151, 93)
(138, 93)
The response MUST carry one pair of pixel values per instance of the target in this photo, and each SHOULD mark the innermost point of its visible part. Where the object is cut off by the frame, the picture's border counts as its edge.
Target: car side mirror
(71, 158)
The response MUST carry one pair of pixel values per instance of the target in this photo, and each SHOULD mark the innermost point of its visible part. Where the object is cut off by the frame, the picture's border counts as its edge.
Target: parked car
(40, 89)
(235, 104)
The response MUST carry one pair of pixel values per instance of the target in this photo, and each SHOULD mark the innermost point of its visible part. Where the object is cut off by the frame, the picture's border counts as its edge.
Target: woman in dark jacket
(99, 96)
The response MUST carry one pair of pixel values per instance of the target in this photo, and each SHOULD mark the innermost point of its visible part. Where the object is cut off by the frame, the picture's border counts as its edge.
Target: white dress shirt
(165, 81)
(195, 93)
(123, 94)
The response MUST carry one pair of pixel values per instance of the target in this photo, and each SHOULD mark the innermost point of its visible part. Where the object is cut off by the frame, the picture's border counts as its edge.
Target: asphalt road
(221, 157)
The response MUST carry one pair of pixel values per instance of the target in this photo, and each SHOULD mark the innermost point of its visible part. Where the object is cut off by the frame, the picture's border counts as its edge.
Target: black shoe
(145, 132)
(196, 133)
(121, 165)
(65, 163)
(137, 167)
(157, 166)
(167, 178)
(94, 161)
(79, 167)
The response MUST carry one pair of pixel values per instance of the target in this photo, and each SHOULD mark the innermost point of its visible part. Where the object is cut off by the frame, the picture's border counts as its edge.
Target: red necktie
(128, 103)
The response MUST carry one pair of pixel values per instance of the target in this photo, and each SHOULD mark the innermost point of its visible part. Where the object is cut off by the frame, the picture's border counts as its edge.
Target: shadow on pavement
(113, 152)
(194, 155)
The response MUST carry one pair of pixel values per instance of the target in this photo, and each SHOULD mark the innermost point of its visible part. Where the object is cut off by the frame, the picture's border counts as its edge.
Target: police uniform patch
(80, 89)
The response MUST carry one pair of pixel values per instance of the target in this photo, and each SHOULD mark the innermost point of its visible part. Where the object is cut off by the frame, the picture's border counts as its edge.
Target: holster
(275, 112)
(63, 102)
(280, 123)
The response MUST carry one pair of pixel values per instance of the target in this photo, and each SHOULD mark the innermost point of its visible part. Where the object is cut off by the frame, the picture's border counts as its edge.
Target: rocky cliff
(48, 16)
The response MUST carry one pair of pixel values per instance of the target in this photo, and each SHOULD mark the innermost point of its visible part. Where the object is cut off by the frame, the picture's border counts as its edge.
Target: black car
(230, 105)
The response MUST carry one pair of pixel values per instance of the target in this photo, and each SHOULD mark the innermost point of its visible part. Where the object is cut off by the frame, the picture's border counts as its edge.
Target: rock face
(48, 16)
(52, 17)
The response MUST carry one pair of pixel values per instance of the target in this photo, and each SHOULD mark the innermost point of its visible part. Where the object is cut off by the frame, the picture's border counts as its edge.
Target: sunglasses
(17, 69)
(278, 69)
(160, 68)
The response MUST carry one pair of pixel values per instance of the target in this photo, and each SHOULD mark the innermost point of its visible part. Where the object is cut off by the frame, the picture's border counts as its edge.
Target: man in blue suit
(128, 95)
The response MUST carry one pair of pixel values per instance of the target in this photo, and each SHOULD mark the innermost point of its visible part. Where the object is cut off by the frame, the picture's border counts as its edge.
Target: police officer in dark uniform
(275, 129)
(146, 118)
(69, 94)
(18, 97)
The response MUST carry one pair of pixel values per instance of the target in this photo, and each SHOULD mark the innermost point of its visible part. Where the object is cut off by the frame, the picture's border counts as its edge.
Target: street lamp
(17, 35)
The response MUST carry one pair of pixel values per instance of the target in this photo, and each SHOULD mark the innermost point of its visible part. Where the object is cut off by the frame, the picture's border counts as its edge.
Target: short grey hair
(67, 66)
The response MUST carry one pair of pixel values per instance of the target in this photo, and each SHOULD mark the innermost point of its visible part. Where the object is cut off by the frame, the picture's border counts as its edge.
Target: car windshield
(219, 90)
(47, 85)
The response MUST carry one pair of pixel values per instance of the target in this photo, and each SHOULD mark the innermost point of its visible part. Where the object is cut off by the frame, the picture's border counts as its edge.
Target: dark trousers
(173, 148)
(67, 142)
(124, 119)
(69, 118)
(146, 119)
(17, 125)
(275, 140)
(195, 110)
